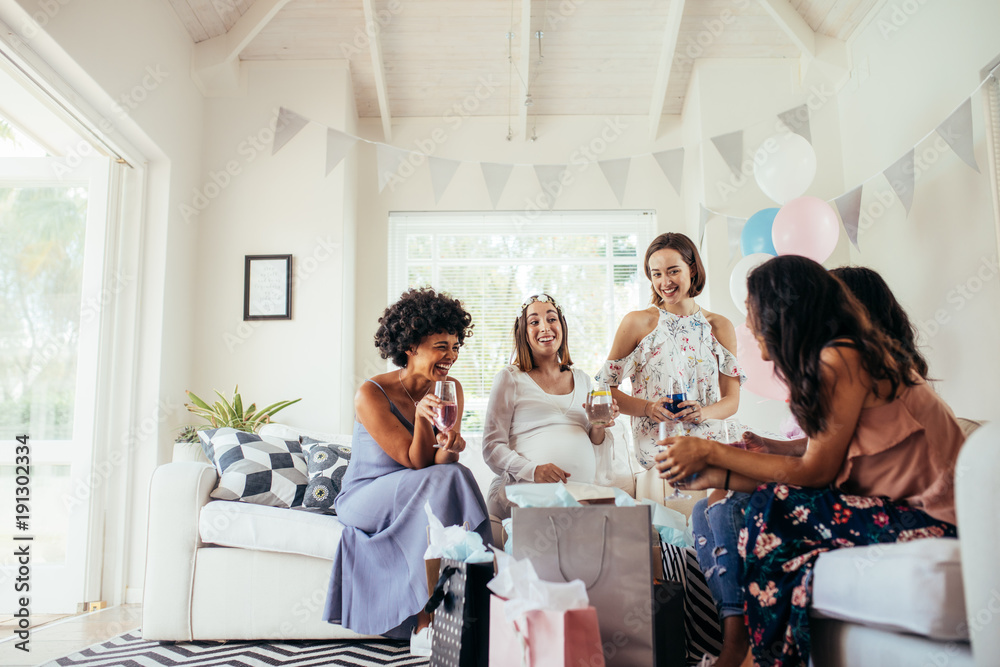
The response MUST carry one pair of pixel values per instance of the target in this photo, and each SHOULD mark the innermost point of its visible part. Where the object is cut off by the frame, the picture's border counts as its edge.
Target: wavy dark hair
(522, 357)
(689, 253)
(417, 314)
(799, 308)
(884, 311)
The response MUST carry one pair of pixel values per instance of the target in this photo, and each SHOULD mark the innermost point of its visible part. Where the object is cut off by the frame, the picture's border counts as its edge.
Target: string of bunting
(393, 163)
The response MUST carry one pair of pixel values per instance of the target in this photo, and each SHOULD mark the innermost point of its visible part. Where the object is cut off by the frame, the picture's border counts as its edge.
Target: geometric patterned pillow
(254, 469)
(327, 464)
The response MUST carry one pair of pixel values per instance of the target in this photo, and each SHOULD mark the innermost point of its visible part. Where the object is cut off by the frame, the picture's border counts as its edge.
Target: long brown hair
(799, 308)
(688, 252)
(522, 357)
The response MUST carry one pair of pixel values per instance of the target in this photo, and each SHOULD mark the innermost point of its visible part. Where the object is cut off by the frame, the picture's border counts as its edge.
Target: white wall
(924, 60)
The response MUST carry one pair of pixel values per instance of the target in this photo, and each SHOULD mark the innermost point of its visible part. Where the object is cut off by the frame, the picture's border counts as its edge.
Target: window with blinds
(590, 262)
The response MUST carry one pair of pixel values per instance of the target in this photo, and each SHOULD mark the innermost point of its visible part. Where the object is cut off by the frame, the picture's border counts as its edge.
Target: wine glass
(445, 412)
(675, 398)
(664, 432)
(731, 435)
(599, 409)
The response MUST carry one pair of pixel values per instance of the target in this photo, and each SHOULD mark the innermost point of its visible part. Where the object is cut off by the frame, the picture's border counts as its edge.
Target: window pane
(419, 246)
(624, 246)
(49, 517)
(41, 270)
(521, 247)
(419, 276)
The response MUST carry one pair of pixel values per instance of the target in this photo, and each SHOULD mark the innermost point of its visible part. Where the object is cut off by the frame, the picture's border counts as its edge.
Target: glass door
(53, 217)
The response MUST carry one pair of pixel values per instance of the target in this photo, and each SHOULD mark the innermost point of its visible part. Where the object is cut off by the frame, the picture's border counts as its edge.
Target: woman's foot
(735, 642)
(421, 641)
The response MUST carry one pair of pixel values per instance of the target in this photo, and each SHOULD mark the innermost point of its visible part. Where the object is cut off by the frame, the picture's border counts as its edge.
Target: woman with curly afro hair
(399, 462)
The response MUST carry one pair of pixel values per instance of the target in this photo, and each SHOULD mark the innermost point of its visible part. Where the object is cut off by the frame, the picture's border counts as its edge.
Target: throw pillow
(254, 469)
(327, 463)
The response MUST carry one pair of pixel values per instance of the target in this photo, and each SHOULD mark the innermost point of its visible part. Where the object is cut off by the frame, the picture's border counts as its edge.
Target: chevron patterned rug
(131, 650)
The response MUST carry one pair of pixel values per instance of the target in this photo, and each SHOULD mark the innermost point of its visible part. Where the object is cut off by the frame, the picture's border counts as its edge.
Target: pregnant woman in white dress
(536, 427)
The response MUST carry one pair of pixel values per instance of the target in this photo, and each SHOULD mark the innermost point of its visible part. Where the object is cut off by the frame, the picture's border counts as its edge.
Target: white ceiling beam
(662, 81)
(215, 66)
(524, 66)
(793, 24)
(378, 67)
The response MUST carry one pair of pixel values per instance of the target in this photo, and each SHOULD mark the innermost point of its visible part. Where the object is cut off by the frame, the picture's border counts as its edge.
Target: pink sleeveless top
(906, 450)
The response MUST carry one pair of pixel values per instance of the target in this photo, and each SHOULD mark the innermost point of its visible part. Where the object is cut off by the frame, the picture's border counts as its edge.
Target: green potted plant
(224, 412)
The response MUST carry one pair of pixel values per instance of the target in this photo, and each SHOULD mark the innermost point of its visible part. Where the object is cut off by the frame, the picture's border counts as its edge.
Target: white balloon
(738, 278)
(785, 166)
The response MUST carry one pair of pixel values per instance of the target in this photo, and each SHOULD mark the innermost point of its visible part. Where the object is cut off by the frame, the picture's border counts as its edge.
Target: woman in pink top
(877, 466)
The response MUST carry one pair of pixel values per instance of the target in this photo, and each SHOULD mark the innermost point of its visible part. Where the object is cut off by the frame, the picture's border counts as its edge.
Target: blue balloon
(756, 235)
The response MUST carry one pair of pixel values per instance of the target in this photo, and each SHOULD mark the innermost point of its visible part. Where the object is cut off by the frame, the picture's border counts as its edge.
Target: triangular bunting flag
(797, 120)
(702, 223)
(337, 145)
(849, 207)
(730, 147)
(550, 178)
(442, 171)
(957, 131)
(616, 171)
(900, 177)
(496, 177)
(287, 126)
(734, 227)
(672, 164)
(387, 159)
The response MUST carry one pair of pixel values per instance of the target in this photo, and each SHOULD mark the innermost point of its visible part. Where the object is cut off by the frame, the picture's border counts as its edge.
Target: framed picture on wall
(267, 287)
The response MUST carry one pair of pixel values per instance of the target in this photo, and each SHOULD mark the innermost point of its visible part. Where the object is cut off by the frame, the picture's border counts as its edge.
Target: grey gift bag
(609, 548)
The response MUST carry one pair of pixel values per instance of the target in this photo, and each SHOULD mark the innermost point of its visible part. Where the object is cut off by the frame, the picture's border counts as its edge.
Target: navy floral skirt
(787, 528)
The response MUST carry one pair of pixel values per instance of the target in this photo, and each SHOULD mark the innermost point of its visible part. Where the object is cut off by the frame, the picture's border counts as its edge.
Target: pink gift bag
(545, 638)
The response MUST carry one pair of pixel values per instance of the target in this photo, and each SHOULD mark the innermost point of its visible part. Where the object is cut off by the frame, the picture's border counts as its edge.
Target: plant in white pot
(224, 412)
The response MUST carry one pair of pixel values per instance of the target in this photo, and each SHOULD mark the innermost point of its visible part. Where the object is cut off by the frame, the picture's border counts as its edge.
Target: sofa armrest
(977, 498)
(177, 493)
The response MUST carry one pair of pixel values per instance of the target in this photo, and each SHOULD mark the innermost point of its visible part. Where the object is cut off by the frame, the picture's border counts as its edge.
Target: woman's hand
(709, 478)
(755, 443)
(546, 473)
(691, 412)
(451, 441)
(655, 411)
(683, 456)
(615, 414)
(425, 408)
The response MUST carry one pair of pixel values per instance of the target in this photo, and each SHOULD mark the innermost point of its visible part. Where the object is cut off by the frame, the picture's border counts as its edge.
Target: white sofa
(219, 570)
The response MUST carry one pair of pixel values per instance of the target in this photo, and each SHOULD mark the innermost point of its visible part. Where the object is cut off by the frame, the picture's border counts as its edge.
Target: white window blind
(590, 262)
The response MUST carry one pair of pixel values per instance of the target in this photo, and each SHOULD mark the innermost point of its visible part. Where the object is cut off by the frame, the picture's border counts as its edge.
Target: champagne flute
(445, 412)
(664, 432)
(731, 435)
(599, 408)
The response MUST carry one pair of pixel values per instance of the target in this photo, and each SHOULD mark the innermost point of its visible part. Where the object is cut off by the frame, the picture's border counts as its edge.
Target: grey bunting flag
(849, 207)
(550, 178)
(616, 171)
(337, 145)
(442, 171)
(702, 224)
(672, 164)
(957, 131)
(730, 147)
(287, 126)
(496, 177)
(900, 177)
(734, 228)
(797, 120)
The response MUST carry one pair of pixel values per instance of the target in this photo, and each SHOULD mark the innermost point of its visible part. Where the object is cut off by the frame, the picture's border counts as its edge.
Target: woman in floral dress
(878, 464)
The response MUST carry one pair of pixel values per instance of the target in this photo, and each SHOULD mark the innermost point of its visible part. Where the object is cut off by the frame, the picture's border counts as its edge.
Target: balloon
(756, 236)
(784, 166)
(806, 226)
(761, 379)
(738, 278)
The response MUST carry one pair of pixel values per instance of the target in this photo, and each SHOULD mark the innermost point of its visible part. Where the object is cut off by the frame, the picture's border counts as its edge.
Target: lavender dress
(379, 582)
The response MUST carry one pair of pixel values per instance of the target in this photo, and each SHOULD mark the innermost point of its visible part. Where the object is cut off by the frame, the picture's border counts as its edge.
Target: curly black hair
(417, 314)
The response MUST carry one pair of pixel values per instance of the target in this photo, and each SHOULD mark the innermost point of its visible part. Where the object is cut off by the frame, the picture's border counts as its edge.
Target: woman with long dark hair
(878, 465)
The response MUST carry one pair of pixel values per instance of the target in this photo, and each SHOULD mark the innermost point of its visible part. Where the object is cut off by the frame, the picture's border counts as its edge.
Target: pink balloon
(806, 226)
(761, 379)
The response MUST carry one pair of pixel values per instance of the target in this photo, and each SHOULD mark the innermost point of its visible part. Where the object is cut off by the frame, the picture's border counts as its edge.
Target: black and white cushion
(265, 471)
(327, 463)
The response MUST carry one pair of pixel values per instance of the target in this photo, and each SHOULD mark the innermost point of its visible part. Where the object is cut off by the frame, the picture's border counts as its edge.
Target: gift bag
(544, 638)
(701, 619)
(460, 603)
(610, 549)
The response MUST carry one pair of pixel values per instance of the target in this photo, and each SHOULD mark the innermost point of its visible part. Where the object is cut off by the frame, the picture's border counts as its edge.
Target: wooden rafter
(378, 67)
(792, 23)
(216, 63)
(665, 65)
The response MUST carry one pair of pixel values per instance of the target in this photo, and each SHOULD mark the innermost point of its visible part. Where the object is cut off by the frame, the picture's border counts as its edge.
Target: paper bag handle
(438, 595)
(604, 542)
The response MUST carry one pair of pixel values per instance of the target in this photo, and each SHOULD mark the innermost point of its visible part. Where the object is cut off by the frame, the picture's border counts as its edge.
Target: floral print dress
(787, 528)
(682, 348)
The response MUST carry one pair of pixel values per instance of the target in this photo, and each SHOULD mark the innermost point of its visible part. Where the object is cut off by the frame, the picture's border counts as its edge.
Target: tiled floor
(67, 635)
